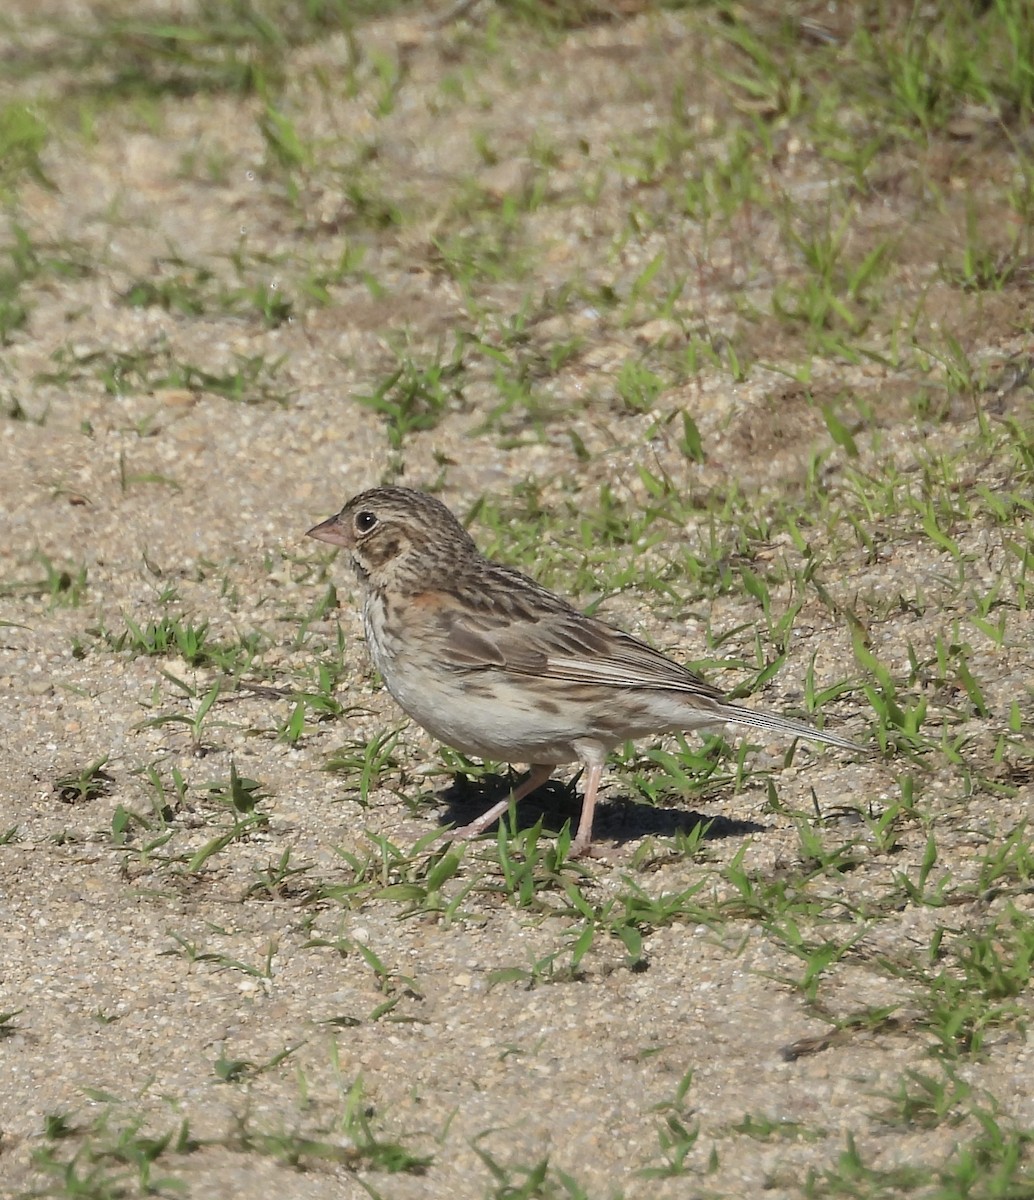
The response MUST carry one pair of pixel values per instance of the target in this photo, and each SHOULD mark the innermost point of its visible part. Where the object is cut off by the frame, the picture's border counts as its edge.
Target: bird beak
(333, 531)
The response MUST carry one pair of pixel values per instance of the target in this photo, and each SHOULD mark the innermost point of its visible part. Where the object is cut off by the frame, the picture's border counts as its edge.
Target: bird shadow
(618, 819)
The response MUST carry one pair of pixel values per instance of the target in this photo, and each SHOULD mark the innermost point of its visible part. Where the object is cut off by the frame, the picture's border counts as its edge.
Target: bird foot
(588, 850)
(464, 833)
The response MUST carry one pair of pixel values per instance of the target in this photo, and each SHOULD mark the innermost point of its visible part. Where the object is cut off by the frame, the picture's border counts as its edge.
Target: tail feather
(735, 714)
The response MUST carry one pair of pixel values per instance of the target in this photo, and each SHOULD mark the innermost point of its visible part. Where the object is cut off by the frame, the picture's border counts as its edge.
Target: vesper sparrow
(496, 666)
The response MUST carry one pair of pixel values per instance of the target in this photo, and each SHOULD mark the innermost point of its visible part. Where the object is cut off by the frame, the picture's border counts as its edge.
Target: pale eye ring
(365, 521)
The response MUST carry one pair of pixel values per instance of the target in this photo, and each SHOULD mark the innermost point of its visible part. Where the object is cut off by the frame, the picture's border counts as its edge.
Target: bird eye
(365, 521)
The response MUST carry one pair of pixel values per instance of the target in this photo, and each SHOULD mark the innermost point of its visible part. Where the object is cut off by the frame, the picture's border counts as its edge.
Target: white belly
(480, 713)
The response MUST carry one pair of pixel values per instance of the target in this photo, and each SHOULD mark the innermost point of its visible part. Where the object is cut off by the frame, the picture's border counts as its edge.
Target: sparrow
(496, 666)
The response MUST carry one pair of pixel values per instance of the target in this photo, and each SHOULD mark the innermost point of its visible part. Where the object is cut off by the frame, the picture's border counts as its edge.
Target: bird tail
(735, 714)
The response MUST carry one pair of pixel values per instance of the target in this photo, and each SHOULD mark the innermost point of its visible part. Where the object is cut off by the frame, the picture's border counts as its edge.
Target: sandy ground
(155, 992)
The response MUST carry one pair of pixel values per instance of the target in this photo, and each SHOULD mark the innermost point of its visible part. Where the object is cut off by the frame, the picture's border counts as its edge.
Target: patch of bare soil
(290, 1005)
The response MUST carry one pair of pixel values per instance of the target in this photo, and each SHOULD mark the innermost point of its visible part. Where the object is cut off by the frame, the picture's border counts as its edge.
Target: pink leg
(583, 838)
(537, 776)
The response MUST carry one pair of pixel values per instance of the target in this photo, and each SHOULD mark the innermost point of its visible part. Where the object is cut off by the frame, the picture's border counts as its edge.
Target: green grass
(250, 378)
(732, 349)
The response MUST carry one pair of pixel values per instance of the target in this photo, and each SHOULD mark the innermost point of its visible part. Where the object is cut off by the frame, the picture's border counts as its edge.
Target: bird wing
(517, 626)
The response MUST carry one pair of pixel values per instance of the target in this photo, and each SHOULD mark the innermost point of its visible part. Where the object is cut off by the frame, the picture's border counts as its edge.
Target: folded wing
(546, 637)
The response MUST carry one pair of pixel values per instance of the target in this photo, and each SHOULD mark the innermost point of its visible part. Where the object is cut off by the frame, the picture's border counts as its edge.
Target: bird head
(384, 528)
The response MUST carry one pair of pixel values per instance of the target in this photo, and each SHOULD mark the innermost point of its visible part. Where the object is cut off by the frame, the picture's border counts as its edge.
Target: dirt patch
(615, 289)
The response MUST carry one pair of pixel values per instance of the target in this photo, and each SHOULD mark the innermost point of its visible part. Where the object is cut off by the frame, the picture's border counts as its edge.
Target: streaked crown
(386, 529)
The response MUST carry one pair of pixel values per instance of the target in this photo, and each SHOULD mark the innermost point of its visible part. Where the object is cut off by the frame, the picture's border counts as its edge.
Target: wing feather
(527, 630)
